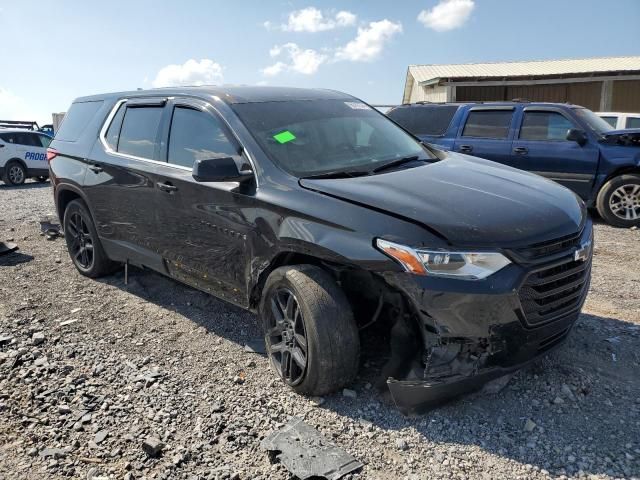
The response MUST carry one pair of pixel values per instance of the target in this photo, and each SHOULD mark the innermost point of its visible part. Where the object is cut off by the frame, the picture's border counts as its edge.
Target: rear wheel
(84, 246)
(14, 173)
(619, 201)
(41, 179)
(311, 335)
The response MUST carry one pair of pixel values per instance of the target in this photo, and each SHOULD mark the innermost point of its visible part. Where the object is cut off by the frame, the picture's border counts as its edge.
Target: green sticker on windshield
(284, 137)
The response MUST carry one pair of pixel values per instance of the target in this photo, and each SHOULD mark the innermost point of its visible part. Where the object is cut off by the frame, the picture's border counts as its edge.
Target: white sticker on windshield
(357, 105)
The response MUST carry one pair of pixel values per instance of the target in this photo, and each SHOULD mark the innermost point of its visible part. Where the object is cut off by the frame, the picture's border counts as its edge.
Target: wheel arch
(634, 169)
(283, 259)
(65, 194)
(21, 162)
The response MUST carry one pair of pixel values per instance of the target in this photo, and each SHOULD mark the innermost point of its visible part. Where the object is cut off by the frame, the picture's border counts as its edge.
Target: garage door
(626, 96)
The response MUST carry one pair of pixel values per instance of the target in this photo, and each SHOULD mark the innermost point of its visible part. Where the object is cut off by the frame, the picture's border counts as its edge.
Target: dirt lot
(93, 368)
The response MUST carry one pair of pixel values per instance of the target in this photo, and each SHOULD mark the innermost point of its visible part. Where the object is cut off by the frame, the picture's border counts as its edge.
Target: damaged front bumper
(474, 332)
(419, 396)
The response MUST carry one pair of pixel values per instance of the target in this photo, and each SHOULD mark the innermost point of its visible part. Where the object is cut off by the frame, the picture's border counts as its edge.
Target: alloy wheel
(16, 174)
(81, 241)
(286, 337)
(624, 202)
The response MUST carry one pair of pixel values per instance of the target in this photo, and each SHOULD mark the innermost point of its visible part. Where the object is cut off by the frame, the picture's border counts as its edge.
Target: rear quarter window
(425, 120)
(76, 120)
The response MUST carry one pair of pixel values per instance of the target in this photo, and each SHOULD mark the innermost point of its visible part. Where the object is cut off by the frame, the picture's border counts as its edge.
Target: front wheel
(84, 246)
(619, 201)
(310, 333)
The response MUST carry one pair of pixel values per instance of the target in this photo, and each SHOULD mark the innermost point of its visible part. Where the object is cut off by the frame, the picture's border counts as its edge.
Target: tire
(14, 173)
(618, 201)
(85, 250)
(324, 316)
(41, 179)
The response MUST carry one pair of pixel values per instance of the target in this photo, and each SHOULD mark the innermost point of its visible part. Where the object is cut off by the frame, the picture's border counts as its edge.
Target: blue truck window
(544, 126)
(488, 124)
(427, 120)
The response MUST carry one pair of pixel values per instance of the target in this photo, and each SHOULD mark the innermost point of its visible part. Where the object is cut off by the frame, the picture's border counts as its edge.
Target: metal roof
(429, 73)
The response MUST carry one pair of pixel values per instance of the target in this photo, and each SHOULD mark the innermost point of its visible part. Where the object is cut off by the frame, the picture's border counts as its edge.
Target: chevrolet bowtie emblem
(582, 253)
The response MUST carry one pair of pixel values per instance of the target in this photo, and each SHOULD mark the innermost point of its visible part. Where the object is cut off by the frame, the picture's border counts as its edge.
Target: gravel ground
(96, 368)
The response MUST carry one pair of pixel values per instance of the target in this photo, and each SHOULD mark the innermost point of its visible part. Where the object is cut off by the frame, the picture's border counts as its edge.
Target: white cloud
(311, 19)
(447, 15)
(191, 72)
(369, 42)
(305, 61)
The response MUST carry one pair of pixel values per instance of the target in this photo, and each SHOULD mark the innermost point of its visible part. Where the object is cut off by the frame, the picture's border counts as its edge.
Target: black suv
(317, 212)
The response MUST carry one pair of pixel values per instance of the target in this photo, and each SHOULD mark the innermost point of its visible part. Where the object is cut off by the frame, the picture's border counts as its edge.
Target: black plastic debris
(7, 247)
(307, 454)
(51, 230)
(255, 345)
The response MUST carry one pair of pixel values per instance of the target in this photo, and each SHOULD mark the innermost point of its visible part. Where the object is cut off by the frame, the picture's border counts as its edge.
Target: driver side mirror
(577, 135)
(223, 169)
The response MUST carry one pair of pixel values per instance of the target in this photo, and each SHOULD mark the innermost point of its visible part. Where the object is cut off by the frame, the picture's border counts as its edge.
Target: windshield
(595, 123)
(311, 137)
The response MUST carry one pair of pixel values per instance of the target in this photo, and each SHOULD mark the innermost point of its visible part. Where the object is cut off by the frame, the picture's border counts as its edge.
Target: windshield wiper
(397, 162)
(338, 174)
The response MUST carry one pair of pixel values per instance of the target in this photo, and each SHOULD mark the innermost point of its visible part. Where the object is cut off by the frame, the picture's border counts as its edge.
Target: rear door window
(197, 135)
(139, 132)
(492, 124)
(425, 120)
(27, 139)
(550, 126)
(76, 120)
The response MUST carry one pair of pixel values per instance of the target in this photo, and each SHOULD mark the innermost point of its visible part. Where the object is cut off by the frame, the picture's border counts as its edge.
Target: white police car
(23, 154)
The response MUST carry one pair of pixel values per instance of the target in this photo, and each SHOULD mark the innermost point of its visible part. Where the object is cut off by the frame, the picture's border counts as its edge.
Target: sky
(55, 51)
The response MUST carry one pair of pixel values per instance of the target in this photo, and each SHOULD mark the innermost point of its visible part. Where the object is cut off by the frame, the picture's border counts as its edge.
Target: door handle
(96, 168)
(167, 187)
(521, 150)
(466, 148)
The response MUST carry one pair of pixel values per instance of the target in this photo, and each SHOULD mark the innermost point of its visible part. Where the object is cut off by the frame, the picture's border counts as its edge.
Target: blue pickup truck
(563, 142)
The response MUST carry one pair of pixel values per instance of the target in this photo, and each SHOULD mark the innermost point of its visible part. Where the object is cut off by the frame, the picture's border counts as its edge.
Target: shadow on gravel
(575, 410)
(25, 186)
(217, 316)
(14, 258)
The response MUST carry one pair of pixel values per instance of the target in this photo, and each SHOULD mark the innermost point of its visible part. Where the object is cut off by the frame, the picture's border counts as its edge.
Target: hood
(468, 201)
(628, 137)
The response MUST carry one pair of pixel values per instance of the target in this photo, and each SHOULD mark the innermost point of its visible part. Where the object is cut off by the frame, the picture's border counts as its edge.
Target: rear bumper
(473, 332)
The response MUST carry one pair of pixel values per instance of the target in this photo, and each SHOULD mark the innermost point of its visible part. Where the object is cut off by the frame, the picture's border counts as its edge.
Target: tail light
(51, 154)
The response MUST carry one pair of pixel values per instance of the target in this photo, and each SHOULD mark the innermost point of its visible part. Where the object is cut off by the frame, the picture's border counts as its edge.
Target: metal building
(600, 84)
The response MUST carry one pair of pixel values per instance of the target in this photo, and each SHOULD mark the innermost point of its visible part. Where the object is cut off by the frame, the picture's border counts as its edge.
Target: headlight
(443, 263)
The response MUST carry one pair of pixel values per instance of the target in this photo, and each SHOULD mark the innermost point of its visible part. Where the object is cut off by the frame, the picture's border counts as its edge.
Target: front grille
(549, 248)
(554, 291)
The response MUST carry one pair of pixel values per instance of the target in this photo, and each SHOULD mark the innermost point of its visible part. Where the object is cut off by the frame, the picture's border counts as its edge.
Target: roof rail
(520, 100)
(19, 124)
